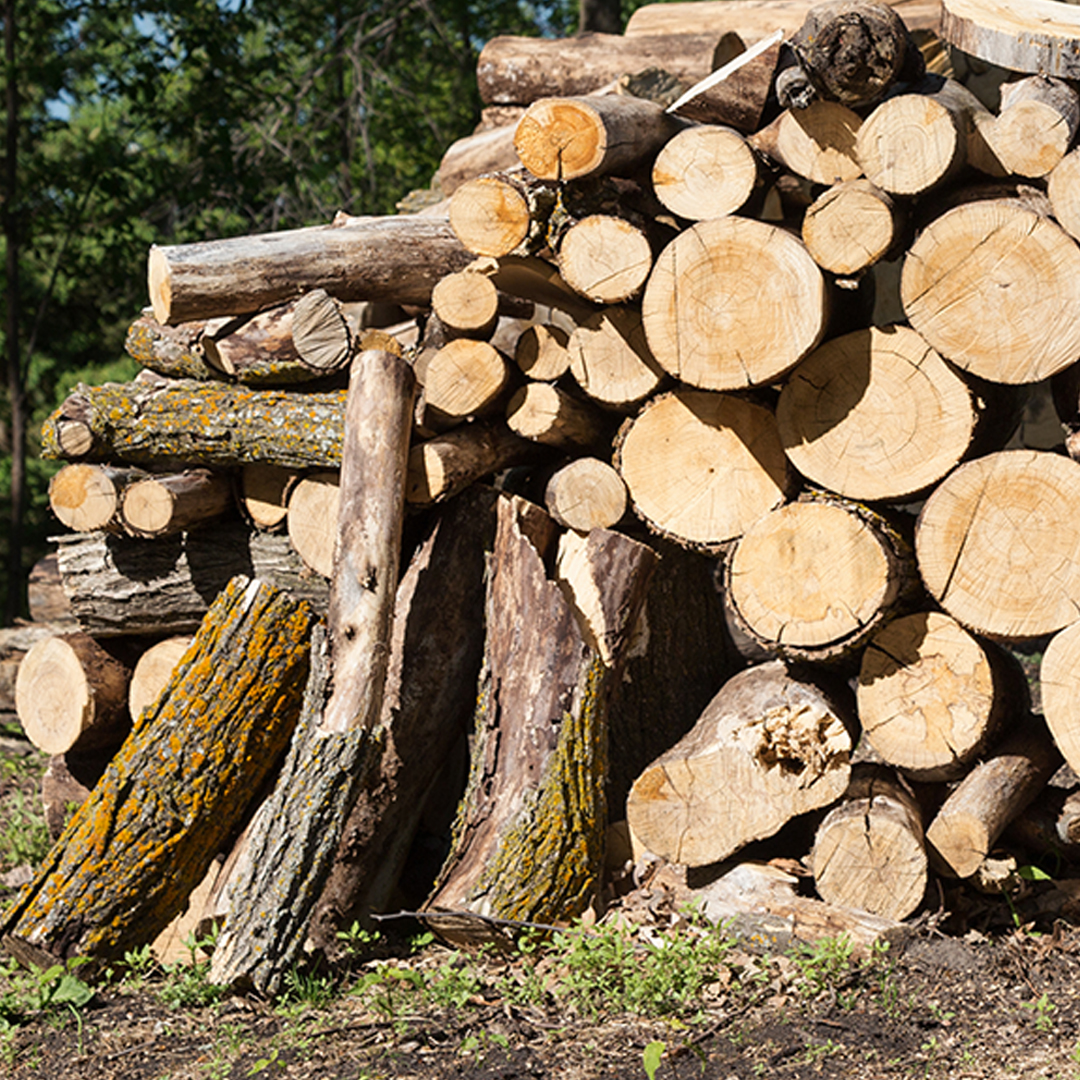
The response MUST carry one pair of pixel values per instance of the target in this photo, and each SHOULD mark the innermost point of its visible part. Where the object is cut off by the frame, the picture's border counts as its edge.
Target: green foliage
(24, 838)
(28, 992)
(650, 1059)
(187, 984)
(822, 964)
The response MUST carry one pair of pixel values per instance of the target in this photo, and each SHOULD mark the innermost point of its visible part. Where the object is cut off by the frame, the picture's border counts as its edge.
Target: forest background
(126, 124)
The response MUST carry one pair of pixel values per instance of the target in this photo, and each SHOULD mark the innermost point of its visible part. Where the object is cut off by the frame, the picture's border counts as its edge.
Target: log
(996, 544)
(529, 837)
(501, 214)
(356, 258)
(875, 414)
(153, 672)
(995, 792)
(545, 414)
(768, 747)
(467, 304)
(1057, 682)
(324, 330)
(605, 258)
(740, 99)
(447, 464)
(610, 358)
(190, 423)
(541, 352)
(66, 784)
(704, 306)
(490, 150)
(994, 286)
(45, 596)
(71, 694)
(851, 226)
(463, 379)
(564, 138)
(701, 468)
(86, 498)
(163, 505)
(264, 493)
(119, 586)
(145, 837)
(932, 697)
(312, 520)
(586, 494)
(175, 352)
(1037, 124)
(704, 172)
(259, 350)
(817, 143)
(812, 580)
(869, 851)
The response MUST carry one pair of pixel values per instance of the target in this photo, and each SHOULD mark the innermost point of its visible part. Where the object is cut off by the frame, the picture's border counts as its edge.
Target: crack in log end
(801, 742)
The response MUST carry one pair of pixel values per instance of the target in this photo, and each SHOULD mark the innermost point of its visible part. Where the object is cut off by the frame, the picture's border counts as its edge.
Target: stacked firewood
(667, 472)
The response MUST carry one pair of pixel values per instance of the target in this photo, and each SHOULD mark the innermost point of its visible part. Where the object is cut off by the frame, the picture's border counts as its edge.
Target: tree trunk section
(586, 494)
(66, 784)
(1063, 188)
(258, 351)
(463, 379)
(541, 352)
(1037, 124)
(501, 214)
(541, 412)
(816, 143)
(851, 226)
(605, 258)
(490, 150)
(173, 351)
(153, 672)
(1058, 682)
(610, 358)
(312, 520)
(706, 171)
(738, 101)
(86, 498)
(467, 304)
(158, 506)
(264, 494)
(767, 748)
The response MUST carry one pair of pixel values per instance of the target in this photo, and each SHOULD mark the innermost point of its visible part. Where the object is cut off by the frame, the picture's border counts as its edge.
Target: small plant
(25, 839)
(356, 941)
(455, 984)
(188, 984)
(651, 1058)
(307, 988)
(1042, 1009)
(480, 1044)
(822, 963)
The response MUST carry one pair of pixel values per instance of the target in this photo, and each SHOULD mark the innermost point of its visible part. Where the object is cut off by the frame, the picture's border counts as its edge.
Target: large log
(144, 839)
(395, 258)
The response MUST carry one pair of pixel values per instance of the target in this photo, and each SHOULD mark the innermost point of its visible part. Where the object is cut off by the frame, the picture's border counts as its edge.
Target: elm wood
(565, 138)
(704, 172)
(994, 286)
(851, 226)
(711, 309)
(442, 466)
(87, 497)
(486, 150)
(605, 258)
(586, 494)
(264, 492)
(875, 414)
(702, 467)
(521, 70)
(396, 258)
(173, 351)
(502, 214)
(312, 520)
(738, 101)
(119, 586)
(166, 504)
(998, 547)
(541, 352)
(995, 792)
(463, 379)
(71, 693)
(869, 851)
(529, 838)
(192, 423)
(467, 303)
(1036, 125)
(932, 697)
(812, 580)
(153, 671)
(436, 648)
(170, 798)
(1036, 36)
(258, 350)
(610, 358)
(768, 747)
(1062, 187)
(1057, 680)
(66, 784)
(817, 143)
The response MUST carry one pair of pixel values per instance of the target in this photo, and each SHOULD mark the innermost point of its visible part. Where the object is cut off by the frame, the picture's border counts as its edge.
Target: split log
(72, 694)
(264, 493)
(541, 352)
(162, 505)
(66, 784)
(192, 423)
(462, 380)
(704, 306)
(545, 414)
(701, 468)
(812, 580)
(173, 351)
(258, 351)
(932, 697)
(769, 747)
(153, 672)
(312, 520)
(704, 172)
(997, 544)
(605, 258)
(145, 837)
(1037, 124)
(875, 414)
(497, 215)
(564, 138)
(529, 837)
(739, 100)
(586, 494)
(817, 143)
(851, 226)
(86, 498)
(119, 586)
(396, 258)
(610, 358)
(995, 792)
(869, 851)
(1058, 681)
(994, 286)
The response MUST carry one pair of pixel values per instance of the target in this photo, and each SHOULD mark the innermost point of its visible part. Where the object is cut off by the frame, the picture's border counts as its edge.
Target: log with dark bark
(144, 839)
(258, 350)
(162, 505)
(741, 99)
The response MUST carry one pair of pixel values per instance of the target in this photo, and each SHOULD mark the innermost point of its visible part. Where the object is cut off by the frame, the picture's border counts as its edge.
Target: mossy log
(178, 787)
(173, 351)
(192, 423)
(529, 839)
(121, 586)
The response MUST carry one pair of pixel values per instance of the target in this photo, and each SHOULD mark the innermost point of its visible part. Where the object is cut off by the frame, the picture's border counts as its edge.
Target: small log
(1057, 681)
(502, 214)
(851, 226)
(534, 279)
(485, 151)
(701, 467)
(869, 851)
(467, 304)
(463, 379)
(259, 350)
(812, 580)
(163, 505)
(610, 358)
(932, 697)
(994, 793)
(145, 837)
(767, 748)
(605, 258)
(545, 414)
(264, 493)
(153, 672)
(703, 306)
(564, 138)
(324, 330)
(1063, 188)
(86, 498)
(704, 172)
(357, 258)
(119, 586)
(740, 100)
(586, 494)
(45, 596)
(996, 544)
(1036, 125)
(817, 143)
(173, 351)
(541, 352)
(71, 694)
(312, 520)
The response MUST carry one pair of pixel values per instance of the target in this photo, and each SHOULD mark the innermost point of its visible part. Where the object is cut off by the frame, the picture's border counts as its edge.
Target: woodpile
(673, 471)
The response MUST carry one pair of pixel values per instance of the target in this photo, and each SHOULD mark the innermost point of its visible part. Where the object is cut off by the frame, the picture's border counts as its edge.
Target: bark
(490, 150)
(173, 351)
(738, 101)
(259, 350)
(45, 593)
(66, 784)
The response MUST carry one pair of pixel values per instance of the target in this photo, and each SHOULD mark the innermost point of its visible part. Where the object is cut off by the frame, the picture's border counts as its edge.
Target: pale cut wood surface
(1059, 680)
(546, 414)
(462, 379)
(312, 519)
(851, 226)
(605, 258)
(586, 494)
(87, 497)
(610, 358)
(264, 492)
(1037, 124)
(1063, 188)
(163, 505)
(541, 352)
(152, 672)
(817, 143)
(467, 302)
(705, 171)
